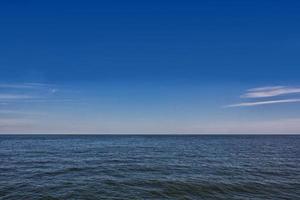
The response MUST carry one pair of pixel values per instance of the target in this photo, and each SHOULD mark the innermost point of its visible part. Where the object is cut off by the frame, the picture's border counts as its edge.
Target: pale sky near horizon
(149, 66)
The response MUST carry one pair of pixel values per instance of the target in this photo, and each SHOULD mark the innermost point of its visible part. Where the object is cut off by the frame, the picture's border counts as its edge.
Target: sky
(149, 66)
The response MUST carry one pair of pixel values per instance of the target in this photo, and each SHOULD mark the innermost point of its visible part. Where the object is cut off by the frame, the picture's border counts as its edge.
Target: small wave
(63, 171)
(175, 189)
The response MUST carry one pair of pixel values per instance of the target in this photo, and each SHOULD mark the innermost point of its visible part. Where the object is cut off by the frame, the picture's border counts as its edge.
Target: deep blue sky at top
(198, 42)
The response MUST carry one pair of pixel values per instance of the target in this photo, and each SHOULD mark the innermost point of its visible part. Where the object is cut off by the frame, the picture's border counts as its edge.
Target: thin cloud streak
(25, 85)
(265, 88)
(14, 97)
(18, 112)
(12, 92)
(270, 91)
(258, 103)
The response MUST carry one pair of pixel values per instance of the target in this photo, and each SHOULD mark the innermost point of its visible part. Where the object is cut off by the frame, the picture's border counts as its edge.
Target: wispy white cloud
(18, 112)
(25, 91)
(14, 96)
(16, 86)
(257, 103)
(25, 85)
(267, 92)
(270, 91)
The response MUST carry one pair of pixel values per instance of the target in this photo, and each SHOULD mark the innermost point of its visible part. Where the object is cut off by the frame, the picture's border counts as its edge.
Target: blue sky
(149, 66)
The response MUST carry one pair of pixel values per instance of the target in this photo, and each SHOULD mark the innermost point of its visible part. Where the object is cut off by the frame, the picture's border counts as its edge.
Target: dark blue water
(149, 167)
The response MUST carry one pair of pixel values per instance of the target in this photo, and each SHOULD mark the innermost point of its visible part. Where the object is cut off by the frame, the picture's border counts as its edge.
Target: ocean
(149, 167)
